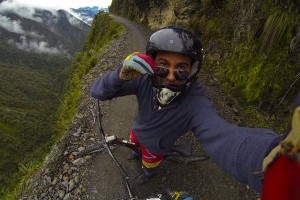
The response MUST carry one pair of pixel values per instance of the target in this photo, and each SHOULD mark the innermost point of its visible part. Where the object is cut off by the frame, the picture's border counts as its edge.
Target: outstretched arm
(237, 150)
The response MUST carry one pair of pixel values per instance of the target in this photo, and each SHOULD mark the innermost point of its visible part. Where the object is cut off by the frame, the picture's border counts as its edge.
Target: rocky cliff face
(171, 12)
(156, 13)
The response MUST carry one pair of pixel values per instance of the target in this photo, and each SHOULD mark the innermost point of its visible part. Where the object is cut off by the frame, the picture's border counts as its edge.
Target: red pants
(149, 160)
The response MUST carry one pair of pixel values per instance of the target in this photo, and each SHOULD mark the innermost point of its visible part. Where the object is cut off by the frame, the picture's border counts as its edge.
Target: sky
(59, 4)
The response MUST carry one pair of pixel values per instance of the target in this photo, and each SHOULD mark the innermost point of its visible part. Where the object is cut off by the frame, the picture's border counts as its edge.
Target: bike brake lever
(110, 138)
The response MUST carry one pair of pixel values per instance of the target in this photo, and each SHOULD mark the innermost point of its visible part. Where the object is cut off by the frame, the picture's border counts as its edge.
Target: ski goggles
(179, 74)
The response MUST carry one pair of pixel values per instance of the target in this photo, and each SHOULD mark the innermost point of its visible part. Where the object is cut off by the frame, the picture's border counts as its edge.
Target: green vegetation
(39, 97)
(250, 50)
(135, 10)
(30, 85)
(257, 64)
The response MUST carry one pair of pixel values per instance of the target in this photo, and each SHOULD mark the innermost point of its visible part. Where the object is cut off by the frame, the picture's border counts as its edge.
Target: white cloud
(65, 4)
(35, 46)
(21, 10)
(34, 34)
(11, 25)
(16, 27)
(75, 19)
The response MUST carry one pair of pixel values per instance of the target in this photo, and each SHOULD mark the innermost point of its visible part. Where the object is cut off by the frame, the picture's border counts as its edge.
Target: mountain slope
(56, 32)
(86, 14)
(29, 98)
(36, 49)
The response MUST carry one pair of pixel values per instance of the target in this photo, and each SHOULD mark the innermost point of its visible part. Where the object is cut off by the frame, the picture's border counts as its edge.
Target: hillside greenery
(132, 9)
(30, 85)
(30, 88)
(34, 120)
(253, 55)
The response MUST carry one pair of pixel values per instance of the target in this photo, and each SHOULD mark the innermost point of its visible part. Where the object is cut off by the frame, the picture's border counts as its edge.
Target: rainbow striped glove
(135, 65)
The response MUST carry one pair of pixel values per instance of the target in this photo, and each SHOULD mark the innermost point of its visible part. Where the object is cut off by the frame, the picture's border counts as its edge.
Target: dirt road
(203, 180)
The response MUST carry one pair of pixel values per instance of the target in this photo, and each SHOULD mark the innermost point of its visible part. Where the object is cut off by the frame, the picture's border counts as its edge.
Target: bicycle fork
(106, 146)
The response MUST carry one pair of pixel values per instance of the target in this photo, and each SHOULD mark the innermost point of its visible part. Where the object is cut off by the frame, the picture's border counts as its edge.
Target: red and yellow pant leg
(149, 160)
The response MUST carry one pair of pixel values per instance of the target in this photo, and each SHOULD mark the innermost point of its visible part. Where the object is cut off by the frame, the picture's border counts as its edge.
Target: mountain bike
(180, 153)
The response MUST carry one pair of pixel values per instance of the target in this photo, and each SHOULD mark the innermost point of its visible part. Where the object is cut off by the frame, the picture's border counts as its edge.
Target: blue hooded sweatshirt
(237, 150)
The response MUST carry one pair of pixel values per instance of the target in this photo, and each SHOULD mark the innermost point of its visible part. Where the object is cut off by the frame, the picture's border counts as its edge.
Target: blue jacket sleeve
(110, 86)
(237, 150)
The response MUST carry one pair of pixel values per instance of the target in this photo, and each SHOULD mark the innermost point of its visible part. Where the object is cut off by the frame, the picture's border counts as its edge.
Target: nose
(171, 75)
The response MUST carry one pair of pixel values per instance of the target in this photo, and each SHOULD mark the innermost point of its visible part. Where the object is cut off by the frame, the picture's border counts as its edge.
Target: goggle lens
(180, 74)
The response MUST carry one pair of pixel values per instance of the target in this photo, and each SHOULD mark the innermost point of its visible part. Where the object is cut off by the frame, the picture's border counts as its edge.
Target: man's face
(176, 67)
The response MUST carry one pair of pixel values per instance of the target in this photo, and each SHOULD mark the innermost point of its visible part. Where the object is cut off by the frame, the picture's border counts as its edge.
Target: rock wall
(154, 13)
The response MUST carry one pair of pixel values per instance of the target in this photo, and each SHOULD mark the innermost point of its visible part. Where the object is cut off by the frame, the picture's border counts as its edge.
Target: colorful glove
(136, 64)
(282, 165)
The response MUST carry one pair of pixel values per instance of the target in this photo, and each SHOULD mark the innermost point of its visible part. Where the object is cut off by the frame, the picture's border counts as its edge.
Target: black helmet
(178, 40)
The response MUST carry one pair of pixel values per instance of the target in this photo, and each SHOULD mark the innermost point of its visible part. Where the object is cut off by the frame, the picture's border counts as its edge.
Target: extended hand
(290, 146)
(136, 64)
(282, 165)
